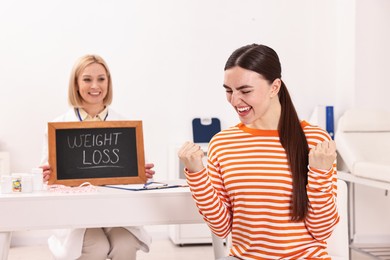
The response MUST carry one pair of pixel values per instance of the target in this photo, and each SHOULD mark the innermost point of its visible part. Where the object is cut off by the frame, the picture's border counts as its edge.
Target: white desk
(349, 177)
(106, 208)
(374, 250)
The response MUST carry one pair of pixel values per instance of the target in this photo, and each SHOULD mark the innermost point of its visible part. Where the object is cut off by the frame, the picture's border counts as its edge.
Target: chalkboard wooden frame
(59, 127)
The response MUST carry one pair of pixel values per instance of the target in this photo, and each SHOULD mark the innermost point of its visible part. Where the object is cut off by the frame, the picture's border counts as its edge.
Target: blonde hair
(74, 96)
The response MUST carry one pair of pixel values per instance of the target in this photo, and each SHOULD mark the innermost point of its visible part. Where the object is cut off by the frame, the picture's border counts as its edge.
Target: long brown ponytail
(294, 142)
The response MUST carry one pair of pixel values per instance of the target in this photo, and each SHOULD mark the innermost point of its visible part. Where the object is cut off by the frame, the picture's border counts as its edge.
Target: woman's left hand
(46, 172)
(323, 155)
(148, 170)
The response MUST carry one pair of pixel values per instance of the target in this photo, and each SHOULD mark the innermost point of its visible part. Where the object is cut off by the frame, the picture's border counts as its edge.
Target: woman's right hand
(46, 172)
(191, 155)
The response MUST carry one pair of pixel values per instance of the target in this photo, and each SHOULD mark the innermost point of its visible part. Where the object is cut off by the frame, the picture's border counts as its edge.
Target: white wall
(166, 58)
(372, 53)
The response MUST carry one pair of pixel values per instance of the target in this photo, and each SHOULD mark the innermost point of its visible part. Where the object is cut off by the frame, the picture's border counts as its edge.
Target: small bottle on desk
(16, 183)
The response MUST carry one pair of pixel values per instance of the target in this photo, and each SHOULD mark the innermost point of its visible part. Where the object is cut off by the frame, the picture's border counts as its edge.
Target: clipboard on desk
(147, 186)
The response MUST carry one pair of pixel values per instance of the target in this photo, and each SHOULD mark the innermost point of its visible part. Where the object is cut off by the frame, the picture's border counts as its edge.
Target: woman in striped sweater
(271, 179)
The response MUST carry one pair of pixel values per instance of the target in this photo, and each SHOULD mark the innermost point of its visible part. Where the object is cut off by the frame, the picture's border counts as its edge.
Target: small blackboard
(109, 152)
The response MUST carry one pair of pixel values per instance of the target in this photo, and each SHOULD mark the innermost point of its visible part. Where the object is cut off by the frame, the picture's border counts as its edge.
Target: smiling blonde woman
(90, 94)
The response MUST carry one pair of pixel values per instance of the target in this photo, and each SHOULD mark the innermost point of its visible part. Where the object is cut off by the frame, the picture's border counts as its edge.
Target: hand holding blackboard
(108, 152)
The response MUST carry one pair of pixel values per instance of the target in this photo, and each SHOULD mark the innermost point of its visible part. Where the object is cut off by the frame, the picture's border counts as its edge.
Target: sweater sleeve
(322, 214)
(321, 189)
(211, 198)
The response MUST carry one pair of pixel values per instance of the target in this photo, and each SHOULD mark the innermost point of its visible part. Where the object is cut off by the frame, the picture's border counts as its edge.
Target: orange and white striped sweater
(247, 187)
